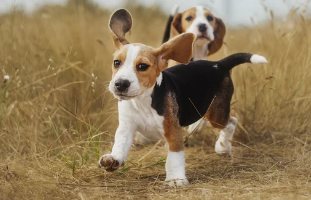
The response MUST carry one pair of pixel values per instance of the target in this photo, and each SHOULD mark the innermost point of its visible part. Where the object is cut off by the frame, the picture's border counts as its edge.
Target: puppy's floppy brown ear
(219, 34)
(176, 25)
(120, 23)
(178, 48)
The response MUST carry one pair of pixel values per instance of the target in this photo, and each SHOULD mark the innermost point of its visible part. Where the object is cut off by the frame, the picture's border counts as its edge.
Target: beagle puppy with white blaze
(158, 101)
(210, 30)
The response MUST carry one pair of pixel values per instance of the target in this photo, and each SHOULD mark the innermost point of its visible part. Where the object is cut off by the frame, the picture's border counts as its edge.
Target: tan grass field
(57, 117)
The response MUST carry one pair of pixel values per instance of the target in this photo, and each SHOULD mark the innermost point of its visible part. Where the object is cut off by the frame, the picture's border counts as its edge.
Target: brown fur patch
(187, 13)
(172, 129)
(180, 24)
(176, 28)
(218, 113)
(119, 55)
(178, 49)
(219, 33)
(172, 63)
(147, 78)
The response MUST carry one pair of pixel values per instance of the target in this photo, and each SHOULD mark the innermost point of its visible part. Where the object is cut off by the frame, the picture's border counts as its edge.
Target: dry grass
(56, 118)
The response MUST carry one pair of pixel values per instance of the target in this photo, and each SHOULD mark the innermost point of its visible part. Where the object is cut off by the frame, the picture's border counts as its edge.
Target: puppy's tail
(168, 25)
(239, 58)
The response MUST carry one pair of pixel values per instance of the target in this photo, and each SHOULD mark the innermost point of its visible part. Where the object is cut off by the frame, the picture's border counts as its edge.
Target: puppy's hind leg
(223, 144)
(219, 116)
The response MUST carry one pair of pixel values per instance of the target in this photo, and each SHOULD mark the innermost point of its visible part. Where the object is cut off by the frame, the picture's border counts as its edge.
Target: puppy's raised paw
(176, 182)
(109, 163)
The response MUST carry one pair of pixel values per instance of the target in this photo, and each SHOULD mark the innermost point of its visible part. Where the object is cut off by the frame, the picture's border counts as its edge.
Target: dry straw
(59, 117)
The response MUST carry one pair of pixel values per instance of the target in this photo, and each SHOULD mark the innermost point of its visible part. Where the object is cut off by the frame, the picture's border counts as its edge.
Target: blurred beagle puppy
(209, 30)
(158, 101)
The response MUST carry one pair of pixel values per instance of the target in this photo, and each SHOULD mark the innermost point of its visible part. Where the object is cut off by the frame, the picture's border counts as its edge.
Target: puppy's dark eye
(210, 18)
(116, 63)
(189, 18)
(142, 67)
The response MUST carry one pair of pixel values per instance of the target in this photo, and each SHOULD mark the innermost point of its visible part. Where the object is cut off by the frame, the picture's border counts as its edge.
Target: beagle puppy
(158, 101)
(210, 30)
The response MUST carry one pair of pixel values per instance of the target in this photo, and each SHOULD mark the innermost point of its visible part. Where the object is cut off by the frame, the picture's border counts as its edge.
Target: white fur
(149, 138)
(123, 141)
(149, 123)
(126, 71)
(257, 59)
(200, 45)
(223, 144)
(159, 79)
(175, 169)
(124, 134)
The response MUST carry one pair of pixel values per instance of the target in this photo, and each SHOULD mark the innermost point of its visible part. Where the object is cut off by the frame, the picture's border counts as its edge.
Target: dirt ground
(257, 172)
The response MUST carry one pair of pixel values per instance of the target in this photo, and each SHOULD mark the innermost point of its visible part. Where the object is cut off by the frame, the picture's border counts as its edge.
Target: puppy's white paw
(223, 145)
(109, 163)
(223, 148)
(176, 182)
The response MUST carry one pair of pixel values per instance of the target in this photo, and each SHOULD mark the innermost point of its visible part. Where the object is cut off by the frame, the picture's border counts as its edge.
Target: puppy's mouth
(203, 37)
(122, 96)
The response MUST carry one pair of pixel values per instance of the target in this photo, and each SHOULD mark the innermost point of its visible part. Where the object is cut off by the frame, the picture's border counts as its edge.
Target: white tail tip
(257, 59)
(174, 10)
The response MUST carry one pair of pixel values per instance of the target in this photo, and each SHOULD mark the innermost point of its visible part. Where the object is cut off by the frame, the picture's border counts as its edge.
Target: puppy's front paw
(176, 182)
(109, 163)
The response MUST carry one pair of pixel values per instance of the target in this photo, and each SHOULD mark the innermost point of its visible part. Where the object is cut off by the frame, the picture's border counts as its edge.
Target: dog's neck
(200, 50)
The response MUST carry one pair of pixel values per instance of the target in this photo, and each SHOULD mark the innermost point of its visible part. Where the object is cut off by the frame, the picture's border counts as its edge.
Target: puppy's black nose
(202, 28)
(121, 84)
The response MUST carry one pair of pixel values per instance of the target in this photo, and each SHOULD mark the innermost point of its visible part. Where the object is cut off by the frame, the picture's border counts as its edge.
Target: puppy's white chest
(148, 122)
